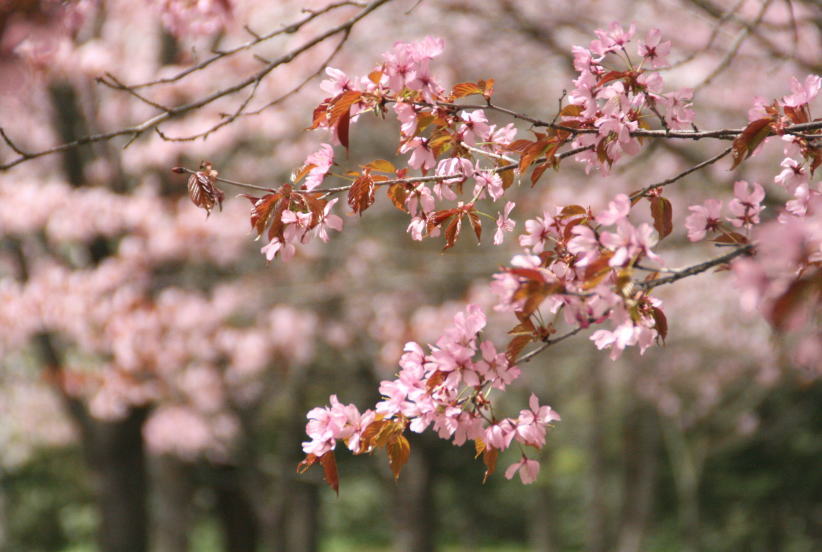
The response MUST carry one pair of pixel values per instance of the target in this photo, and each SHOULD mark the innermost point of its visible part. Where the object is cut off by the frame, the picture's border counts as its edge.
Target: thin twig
(644, 191)
(697, 269)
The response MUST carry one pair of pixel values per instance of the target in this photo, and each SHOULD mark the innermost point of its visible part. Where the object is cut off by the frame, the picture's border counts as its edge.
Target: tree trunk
(413, 505)
(597, 505)
(235, 511)
(174, 492)
(640, 444)
(540, 521)
(120, 476)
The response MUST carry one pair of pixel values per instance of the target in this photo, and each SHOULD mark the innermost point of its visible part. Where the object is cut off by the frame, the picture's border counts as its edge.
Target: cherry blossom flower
(746, 205)
(504, 224)
(321, 162)
(703, 218)
(653, 50)
(528, 470)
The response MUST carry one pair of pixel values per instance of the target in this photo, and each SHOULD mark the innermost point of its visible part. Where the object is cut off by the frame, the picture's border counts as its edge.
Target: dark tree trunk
(541, 521)
(235, 511)
(597, 480)
(413, 505)
(120, 476)
(174, 492)
(640, 448)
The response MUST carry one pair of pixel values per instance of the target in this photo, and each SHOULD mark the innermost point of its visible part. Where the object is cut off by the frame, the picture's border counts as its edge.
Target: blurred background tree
(156, 370)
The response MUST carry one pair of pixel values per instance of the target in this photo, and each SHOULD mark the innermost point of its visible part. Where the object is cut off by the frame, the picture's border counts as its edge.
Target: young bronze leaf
(745, 144)
(399, 450)
(731, 237)
(487, 88)
(361, 194)
(452, 231)
(202, 189)
(799, 293)
(466, 89)
(261, 208)
(307, 462)
(329, 464)
(342, 128)
(662, 212)
(398, 194)
(475, 223)
(537, 172)
(489, 458)
(381, 165)
(660, 323)
(516, 345)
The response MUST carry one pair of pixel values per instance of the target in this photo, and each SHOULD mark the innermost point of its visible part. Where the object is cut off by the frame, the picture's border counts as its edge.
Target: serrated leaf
(797, 295)
(571, 110)
(660, 323)
(466, 89)
(381, 165)
(489, 458)
(361, 194)
(343, 127)
(398, 194)
(516, 345)
(537, 172)
(329, 464)
(596, 272)
(731, 237)
(748, 140)
(452, 231)
(662, 212)
(475, 223)
(399, 450)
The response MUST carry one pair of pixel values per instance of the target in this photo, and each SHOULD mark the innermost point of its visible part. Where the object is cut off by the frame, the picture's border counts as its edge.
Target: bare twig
(173, 112)
(696, 269)
(644, 191)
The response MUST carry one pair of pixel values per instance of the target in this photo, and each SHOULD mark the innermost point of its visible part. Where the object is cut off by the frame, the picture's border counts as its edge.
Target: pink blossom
(528, 470)
(746, 205)
(677, 105)
(475, 127)
(793, 175)
(421, 155)
(490, 181)
(629, 242)
(504, 224)
(618, 209)
(327, 220)
(803, 93)
(703, 218)
(500, 435)
(407, 116)
(337, 84)
(320, 162)
(654, 51)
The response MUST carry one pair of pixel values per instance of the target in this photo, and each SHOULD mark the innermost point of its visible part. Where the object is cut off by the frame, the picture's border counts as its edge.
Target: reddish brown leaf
(307, 462)
(261, 208)
(381, 165)
(329, 464)
(452, 231)
(487, 88)
(342, 128)
(375, 76)
(473, 217)
(660, 323)
(361, 194)
(753, 135)
(731, 237)
(398, 194)
(489, 458)
(528, 273)
(573, 210)
(611, 76)
(202, 188)
(662, 212)
(596, 272)
(399, 450)
(798, 294)
(439, 217)
(537, 172)
(516, 345)
(466, 89)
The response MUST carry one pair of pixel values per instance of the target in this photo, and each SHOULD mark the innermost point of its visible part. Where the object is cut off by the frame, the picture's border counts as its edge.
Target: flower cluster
(616, 102)
(744, 208)
(447, 389)
(573, 266)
